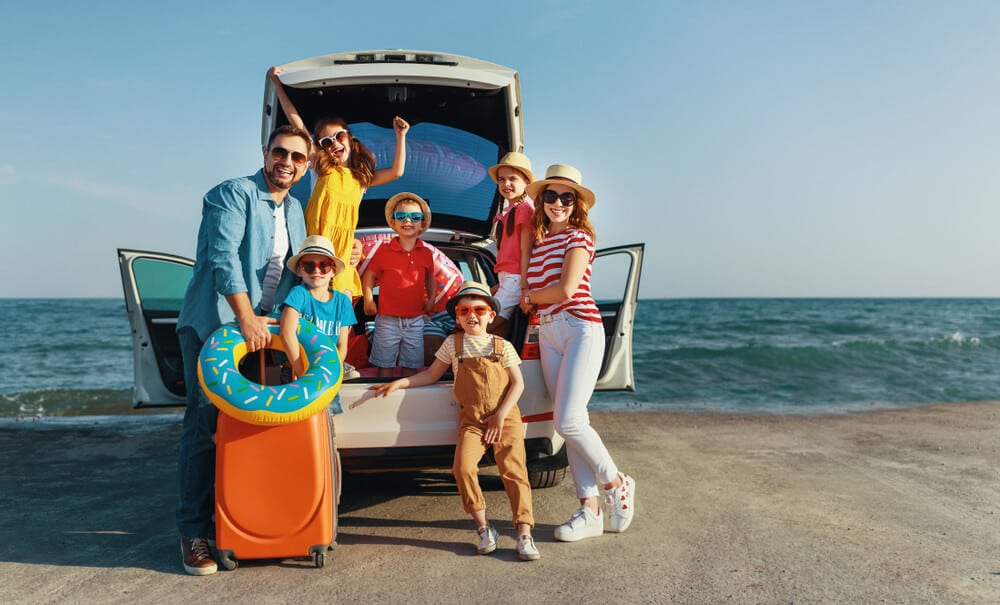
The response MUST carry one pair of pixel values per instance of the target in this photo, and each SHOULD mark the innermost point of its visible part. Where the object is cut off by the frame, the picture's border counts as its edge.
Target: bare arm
(286, 104)
(573, 268)
(430, 287)
(386, 175)
(253, 327)
(527, 241)
(367, 287)
(342, 341)
(432, 374)
(289, 326)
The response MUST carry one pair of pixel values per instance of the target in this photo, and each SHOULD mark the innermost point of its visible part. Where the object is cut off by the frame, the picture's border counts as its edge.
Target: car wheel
(546, 478)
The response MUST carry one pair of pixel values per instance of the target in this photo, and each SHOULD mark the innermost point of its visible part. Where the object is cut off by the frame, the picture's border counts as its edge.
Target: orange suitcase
(275, 490)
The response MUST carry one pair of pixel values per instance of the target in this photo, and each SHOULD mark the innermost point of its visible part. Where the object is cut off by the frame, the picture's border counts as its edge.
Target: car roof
(464, 114)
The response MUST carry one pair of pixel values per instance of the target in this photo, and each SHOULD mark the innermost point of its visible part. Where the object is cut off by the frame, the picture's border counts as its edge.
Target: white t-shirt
(277, 262)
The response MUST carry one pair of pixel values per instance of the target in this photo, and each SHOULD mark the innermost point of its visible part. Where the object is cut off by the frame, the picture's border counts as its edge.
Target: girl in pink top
(514, 235)
(571, 346)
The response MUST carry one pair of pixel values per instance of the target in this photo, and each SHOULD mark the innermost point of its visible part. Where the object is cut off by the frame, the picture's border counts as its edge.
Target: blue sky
(758, 148)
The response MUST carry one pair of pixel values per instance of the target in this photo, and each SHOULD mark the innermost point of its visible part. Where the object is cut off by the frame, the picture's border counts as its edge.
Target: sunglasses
(479, 310)
(341, 136)
(280, 153)
(550, 197)
(399, 216)
(310, 266)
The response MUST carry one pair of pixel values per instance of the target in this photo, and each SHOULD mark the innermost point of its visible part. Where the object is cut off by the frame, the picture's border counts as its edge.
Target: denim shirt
(235, 242)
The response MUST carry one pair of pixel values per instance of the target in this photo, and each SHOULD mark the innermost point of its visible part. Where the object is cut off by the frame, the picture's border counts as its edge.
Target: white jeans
(572, 351)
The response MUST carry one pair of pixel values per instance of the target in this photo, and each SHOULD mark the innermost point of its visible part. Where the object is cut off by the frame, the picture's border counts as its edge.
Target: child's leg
(411, 345)
(511, 462)
(385, 344)
(469, 450)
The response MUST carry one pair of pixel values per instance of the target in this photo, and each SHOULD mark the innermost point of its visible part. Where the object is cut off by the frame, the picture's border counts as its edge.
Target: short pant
(509, 293)
(398, 338)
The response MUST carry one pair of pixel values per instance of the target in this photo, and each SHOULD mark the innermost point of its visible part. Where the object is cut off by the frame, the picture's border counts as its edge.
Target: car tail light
(529, 350)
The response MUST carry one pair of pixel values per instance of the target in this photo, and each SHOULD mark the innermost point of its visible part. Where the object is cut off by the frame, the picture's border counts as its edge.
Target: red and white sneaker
(620, 503)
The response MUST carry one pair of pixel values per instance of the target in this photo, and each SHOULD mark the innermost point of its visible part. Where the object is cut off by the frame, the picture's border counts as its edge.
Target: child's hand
(400, 125)
(370, 307)
(383, 390)
(494, 426)
(274, 72)
(356, 250)
(429, 308)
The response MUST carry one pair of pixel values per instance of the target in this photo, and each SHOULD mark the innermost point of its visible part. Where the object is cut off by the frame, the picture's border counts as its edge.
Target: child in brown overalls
(488, 384)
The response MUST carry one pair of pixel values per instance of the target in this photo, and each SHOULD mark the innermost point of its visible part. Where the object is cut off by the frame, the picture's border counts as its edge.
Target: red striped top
(545, 268)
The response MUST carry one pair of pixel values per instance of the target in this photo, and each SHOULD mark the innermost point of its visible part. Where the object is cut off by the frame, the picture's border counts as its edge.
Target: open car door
(154, 285)
(615, 286)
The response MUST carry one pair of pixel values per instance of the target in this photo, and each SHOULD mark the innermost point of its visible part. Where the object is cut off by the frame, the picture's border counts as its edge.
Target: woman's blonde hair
(361, 161)
(579, 219)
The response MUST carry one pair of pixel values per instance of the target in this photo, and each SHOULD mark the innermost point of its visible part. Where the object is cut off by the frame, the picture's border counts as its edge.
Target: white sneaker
(583, 524)
(620, 503)
(526, 549)
(487, 540)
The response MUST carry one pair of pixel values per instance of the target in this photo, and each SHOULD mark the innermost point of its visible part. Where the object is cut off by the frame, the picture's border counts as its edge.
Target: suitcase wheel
(319, 559)
(228, 560)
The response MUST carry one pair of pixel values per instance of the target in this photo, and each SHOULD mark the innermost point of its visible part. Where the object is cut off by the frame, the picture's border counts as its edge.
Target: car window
(159, 283)
(446, 165)
(609, 277)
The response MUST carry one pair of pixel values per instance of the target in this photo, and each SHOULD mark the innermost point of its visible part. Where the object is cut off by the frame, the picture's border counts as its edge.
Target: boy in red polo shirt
(405, 273)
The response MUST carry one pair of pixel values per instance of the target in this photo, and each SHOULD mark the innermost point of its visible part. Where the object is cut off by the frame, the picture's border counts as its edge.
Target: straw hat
(562, 174)
(471, 288)
(406, 195)
(515, 160)
(316, 244)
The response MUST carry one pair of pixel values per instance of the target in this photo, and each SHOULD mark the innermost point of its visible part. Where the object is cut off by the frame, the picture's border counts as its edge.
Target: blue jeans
(196, 455)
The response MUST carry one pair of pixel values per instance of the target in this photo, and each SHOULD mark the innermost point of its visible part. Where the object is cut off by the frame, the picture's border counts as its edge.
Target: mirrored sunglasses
(400, 216)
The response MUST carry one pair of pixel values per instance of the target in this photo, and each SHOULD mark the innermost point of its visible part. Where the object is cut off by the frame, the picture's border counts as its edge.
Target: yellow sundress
(333, 212)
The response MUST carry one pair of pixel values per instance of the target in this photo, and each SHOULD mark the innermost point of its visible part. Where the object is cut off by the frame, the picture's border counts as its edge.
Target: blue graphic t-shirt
(328, 316)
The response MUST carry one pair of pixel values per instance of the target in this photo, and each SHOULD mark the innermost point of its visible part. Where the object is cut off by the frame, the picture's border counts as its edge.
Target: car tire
(546, 478)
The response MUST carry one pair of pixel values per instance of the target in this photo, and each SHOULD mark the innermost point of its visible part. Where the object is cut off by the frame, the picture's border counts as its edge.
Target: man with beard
(249, 228)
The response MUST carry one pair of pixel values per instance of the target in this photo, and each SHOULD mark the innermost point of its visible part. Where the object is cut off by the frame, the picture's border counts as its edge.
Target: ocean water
(73, 357)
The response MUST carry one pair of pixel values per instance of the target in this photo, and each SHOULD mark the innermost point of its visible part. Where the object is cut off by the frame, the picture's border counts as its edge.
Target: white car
(464, 115)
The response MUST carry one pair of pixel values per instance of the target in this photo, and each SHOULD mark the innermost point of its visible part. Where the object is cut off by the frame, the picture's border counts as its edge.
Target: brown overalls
(480, 386)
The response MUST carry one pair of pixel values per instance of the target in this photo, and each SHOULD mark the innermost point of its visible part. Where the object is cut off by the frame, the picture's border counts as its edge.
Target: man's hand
(255, 332)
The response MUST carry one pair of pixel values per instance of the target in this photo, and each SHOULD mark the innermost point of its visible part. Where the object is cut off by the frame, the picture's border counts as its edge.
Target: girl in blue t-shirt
(313, 300)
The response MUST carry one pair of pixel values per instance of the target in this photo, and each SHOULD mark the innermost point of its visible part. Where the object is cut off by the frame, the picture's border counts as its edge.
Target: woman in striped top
(571, 345)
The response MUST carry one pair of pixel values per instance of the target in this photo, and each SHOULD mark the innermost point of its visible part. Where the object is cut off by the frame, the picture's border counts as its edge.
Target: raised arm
(386, 175)
(286, 104)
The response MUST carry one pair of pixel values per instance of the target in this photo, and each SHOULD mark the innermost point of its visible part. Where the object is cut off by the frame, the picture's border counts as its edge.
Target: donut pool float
(238, 396)
(447, 275)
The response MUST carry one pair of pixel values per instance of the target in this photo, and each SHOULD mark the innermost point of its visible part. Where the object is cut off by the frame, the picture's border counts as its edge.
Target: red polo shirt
(401, 274)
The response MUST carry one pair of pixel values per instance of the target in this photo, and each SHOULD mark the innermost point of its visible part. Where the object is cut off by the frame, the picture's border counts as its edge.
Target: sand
(893, 506)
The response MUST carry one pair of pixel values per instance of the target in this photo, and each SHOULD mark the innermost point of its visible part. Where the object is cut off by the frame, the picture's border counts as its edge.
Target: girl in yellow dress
(346, 169)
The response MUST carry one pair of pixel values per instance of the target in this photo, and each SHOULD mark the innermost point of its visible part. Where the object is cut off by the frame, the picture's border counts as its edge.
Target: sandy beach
(894, 506)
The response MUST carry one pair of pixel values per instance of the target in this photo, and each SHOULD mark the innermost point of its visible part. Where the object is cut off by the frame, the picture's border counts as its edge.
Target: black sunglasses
(280, 153)
(550, 197)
